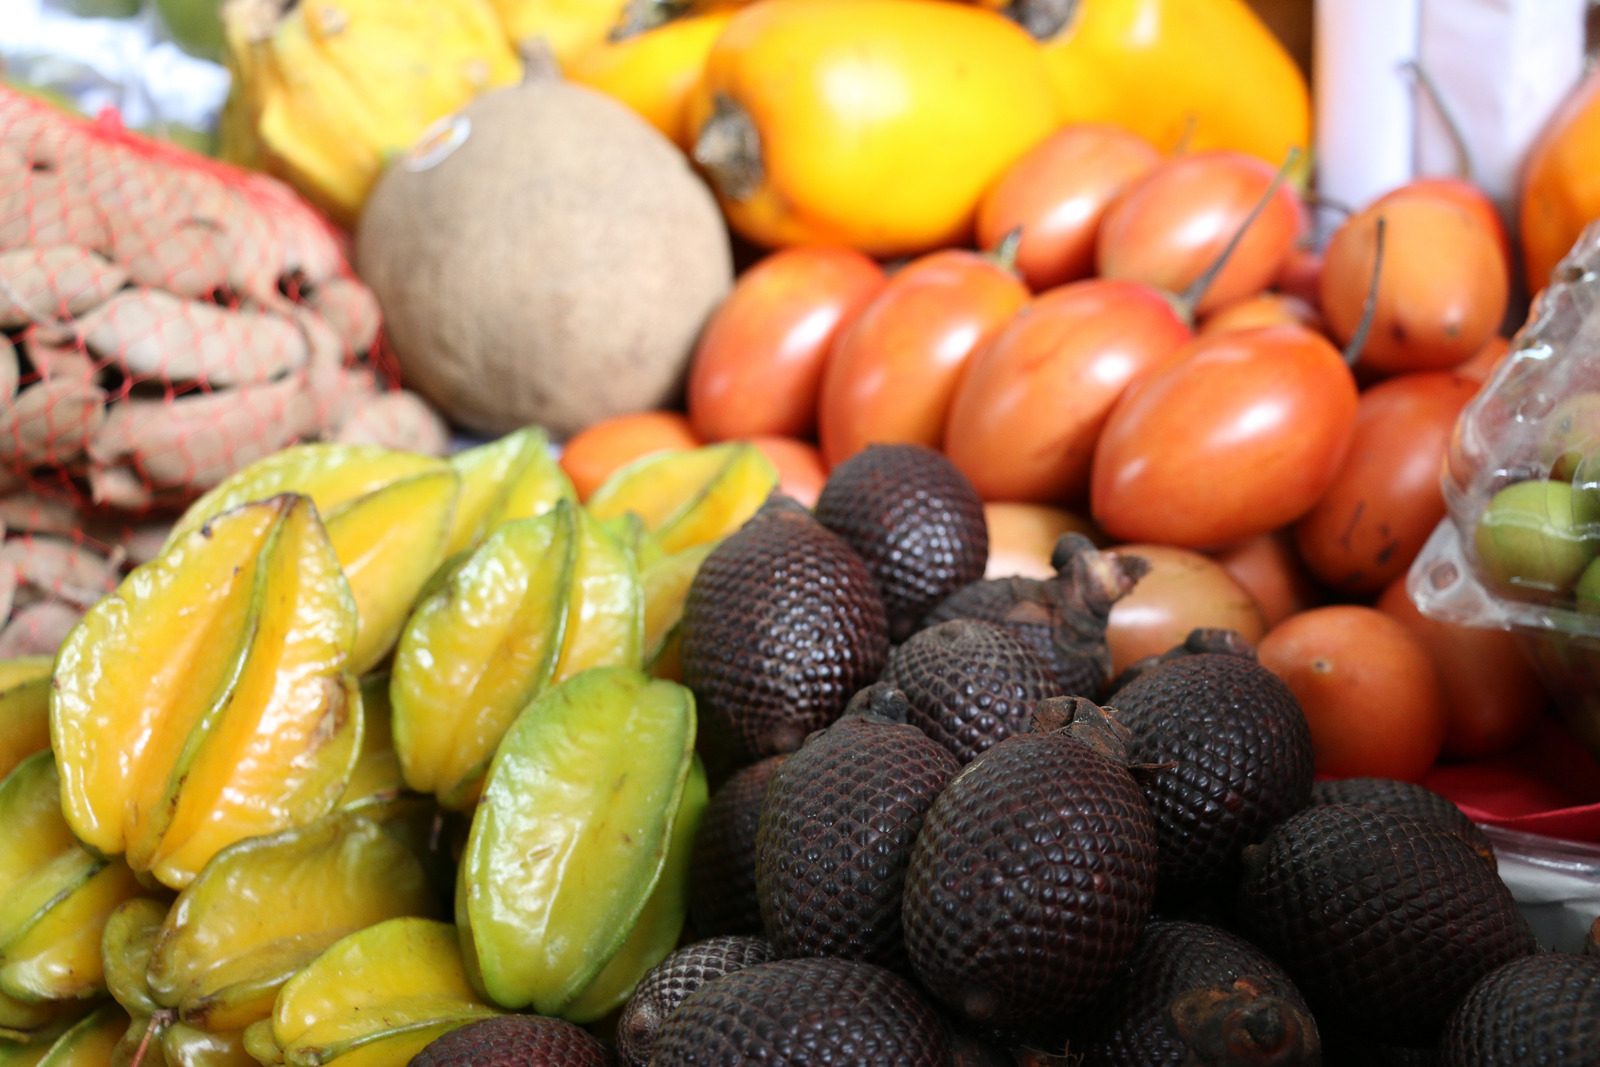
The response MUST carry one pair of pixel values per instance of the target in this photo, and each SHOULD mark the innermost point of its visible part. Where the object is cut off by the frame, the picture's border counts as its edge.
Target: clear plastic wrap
(1519, 548)
(1556, 884)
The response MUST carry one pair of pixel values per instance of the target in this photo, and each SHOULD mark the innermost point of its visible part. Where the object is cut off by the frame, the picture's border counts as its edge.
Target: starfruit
(373, 999)
(207, 699)
(126, 945)
(386, 512)
(539, 601)
(264, 908)
(660, 923)
(689, 497)
(325, 94)
(570, 838)
(376, 778)
(665, 580)
(157, 1043)
(87, 1042)
(55, 895)
(511, 477)
(24, 709)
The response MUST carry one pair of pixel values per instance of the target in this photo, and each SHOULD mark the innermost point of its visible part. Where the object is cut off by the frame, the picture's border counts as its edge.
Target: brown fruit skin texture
(914, 519)
(670, 982)
(1384, 921)
(782, 625)
(1542, 1009)
(836, 834)
(1405, 798)
(1195, 993)
(970, 684)
(1233, 756)
(514, 1041)
(1034, 873)
(722, 866)
(805, 1013)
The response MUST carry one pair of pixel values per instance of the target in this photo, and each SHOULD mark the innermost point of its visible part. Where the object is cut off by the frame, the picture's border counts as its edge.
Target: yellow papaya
(655, 70)
(872, 123)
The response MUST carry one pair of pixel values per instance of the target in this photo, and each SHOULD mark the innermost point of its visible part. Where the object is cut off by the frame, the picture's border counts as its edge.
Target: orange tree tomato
(1492, 697)
(758, 365)
(1369, 690)
(1561, 183)
(1262, 309)
(892, 372)
(1270, 569)
(1183, 590)
(1171, 225)
(1442, 289)
(1030, 406)
(1057, 194)
(1022, 537)
(1385, 500)
(591, 455)
(1463, 193)
(1239, 436)
(1485, 361)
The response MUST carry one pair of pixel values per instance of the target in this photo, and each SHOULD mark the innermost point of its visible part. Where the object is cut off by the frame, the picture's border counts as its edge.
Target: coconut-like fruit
(543, 256)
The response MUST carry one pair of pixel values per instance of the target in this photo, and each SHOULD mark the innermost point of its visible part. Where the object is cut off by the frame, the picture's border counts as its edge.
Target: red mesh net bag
(165, 319)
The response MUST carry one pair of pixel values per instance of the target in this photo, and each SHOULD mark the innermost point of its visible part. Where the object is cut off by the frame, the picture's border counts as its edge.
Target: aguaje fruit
(671, 981)
(1542, 1009)
(782, 625)
(1064, 617)
(1232, 756)
(722, 868)
(915, 520)
(514, 1041)
(1197, 994)
(1034, 872)
(970, 683)
(1404, 798)
(805, 1013)
(1383, 920)
(837, 828)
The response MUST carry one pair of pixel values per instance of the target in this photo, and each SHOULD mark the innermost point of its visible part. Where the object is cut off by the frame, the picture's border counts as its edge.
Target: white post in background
(1502, 67)
(1365, 120)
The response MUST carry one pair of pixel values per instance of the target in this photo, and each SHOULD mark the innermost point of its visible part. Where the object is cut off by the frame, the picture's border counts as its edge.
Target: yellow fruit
(330, 91)
(512, 477)
(689, 497)
(207, 700)
(567, 26)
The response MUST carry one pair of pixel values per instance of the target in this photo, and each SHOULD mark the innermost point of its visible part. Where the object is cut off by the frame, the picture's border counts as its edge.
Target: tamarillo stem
(1369, 306)
(1004, 255)
(1191, 297)
(1466, 167)
(1043, 19)
(728, 148)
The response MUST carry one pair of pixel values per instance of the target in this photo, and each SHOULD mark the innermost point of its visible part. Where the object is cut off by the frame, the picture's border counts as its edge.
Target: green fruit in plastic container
(1530, 539)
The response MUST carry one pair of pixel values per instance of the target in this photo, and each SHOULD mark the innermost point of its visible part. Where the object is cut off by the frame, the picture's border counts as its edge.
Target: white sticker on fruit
(438, 142)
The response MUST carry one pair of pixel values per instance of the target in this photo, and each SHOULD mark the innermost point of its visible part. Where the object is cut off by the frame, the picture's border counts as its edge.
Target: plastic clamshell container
(1519, 544)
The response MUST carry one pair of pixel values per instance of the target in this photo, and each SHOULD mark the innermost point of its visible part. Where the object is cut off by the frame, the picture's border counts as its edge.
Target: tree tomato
(1029, 408)
(1173, 223)
(1270, 569)
(1464, 193)
(1057, 193)
(1262, 309)
(1239, 436)
(1560, 194)
(1183, 590)
(1368, 688)
(758, 365)
(1442, 290)
(1385, 500)
(1482, 364)
(892, 372)
(1492, 696)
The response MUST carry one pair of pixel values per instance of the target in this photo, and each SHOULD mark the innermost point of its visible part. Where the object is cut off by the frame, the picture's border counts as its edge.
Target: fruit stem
(539, 62)
(640, 16)
(879, 701)
(1085, 721)
(1191, 297)
(158, 1022)
(729, 150)
(1465, 166)
(1043, 19)
(1369, 306)
(1004, 255)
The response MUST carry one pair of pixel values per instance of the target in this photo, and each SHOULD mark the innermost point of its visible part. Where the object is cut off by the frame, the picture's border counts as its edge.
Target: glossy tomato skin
(892, 372)
(1239, 436)
(1183, 590)
(758, 365)
(1492, 696)
(1169, 226)
(597, 451)
(1368, 688)
(1031, 404)
(1262, 309)
(1386, 498)
(1057, 193)
(1442, 291)
(799, 465)
(1463, 193)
